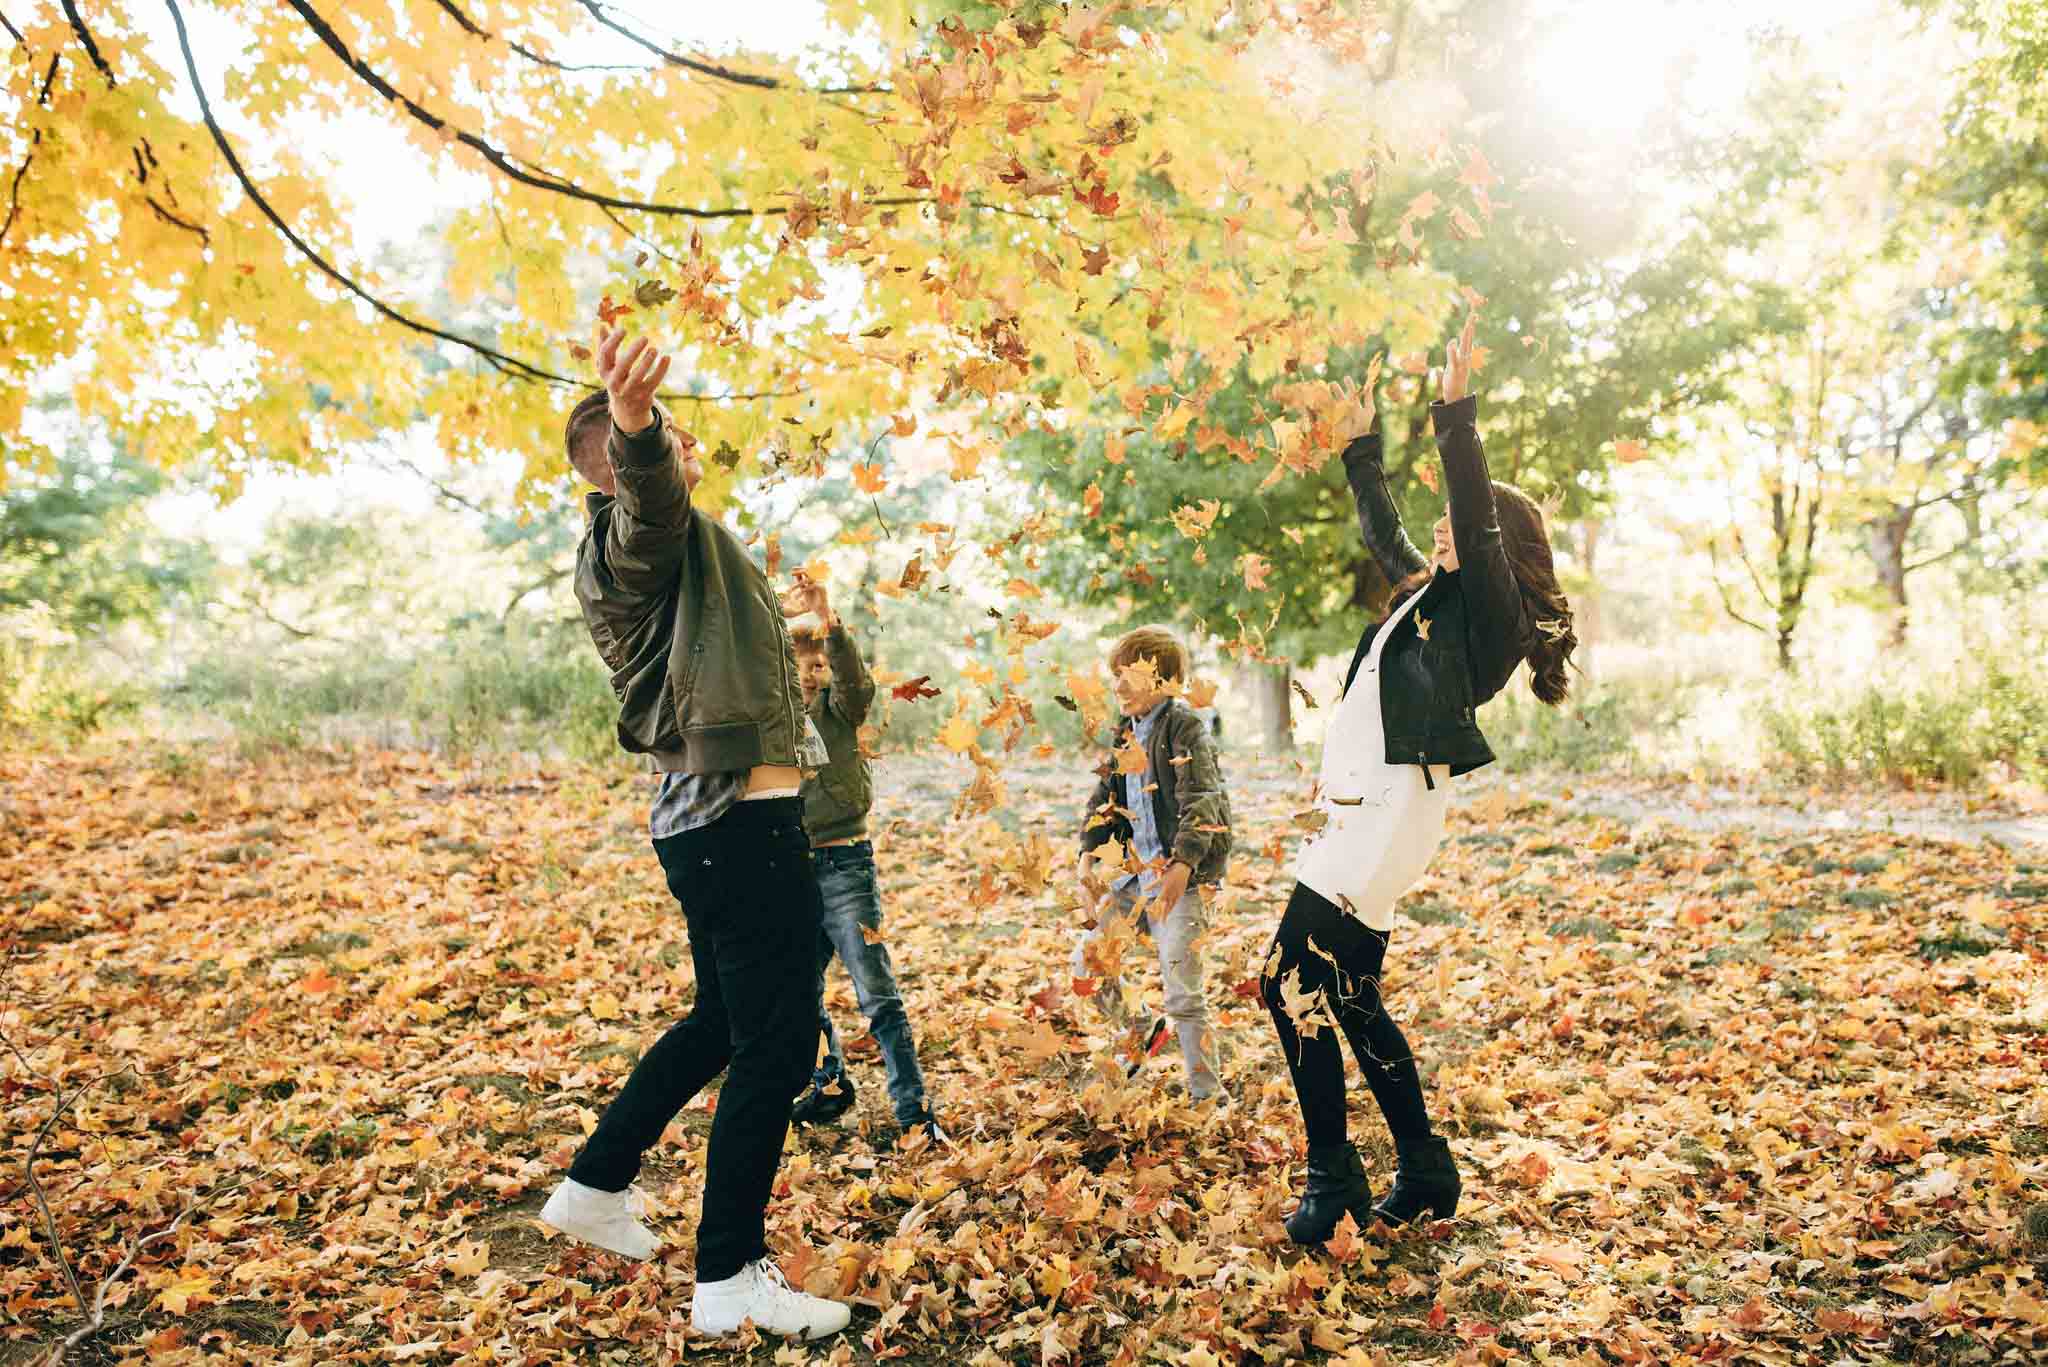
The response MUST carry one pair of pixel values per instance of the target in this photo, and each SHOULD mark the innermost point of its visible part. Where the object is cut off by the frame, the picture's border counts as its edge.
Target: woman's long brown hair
(1551, 639)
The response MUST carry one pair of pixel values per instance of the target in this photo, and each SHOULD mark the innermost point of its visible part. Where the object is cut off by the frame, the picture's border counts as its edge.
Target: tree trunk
(1272, 705)
(1589, 625)
(1885, 538)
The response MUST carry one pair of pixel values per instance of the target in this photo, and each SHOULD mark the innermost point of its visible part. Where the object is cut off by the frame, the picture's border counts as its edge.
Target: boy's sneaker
(824, 1100)
(1146, 1046)
(609, 1219)
(924, 1121)
(760, 1293)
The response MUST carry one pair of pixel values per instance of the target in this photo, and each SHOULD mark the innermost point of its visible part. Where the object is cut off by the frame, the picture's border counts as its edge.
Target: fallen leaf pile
(1717, 1097)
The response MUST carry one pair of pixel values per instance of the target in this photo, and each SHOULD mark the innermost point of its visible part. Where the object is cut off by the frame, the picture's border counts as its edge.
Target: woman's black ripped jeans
(1327, 965)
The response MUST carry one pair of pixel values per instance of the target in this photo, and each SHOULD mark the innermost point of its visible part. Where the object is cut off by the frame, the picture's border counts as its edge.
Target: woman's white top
(1384, 822)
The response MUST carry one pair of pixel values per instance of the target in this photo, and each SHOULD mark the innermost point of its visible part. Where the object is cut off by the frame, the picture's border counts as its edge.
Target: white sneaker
(760, 1293)
(609, 1219)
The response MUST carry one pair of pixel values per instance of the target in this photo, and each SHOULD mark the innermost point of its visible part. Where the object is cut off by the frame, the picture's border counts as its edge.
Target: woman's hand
(1356, 418)
(1457, 377)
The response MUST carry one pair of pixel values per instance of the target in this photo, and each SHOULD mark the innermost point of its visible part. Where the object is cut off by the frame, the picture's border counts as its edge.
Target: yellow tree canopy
(1014, 206)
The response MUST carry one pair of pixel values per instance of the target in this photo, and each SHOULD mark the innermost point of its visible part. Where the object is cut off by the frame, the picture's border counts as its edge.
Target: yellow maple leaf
(959, 734)
(1195, 520)
(605, 1007)
(966, 462)
(189, 1285)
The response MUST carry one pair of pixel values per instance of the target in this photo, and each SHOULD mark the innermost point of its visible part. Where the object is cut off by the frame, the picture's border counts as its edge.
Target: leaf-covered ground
(1718, 1097)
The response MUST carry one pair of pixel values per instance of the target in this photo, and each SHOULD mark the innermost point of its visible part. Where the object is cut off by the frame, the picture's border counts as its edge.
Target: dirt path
(1707, 807)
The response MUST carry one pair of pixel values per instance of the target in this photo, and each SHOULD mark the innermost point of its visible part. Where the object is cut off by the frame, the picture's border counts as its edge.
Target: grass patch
(1963, 941)
(325, 946)
(1432, 911)
(1590, 927)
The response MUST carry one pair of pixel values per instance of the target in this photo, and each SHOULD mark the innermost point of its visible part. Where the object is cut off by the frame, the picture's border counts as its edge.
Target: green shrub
(480, 686)
(1949, 732)
(1595, 728)
(50, 693)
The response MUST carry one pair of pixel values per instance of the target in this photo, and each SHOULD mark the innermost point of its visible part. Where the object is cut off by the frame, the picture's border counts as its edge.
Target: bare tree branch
(35, 1185)
(552, 577)
(92, 49)
(470, 26)
(1956, 549)
(510, 365)
(712, 69)
(205, 238)
(35, 141)
(14, 32)
(257, 605)
(1714, 555)
(540, 180)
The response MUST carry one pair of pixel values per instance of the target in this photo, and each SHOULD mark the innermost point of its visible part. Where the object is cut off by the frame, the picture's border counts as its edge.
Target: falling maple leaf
(1629, 452)
(868, 478)
(1255, 569)
(914, 689)
(959, 734)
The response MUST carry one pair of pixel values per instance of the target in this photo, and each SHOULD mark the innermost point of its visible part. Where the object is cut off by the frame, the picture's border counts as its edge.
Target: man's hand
(630, 379)
(807, 595)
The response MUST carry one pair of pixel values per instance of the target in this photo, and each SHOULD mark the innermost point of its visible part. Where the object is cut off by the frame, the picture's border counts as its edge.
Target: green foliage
(75, 543)
(1599, 726)
(49, 695)
(1935, 733)
(1598, 315)
(478, 687)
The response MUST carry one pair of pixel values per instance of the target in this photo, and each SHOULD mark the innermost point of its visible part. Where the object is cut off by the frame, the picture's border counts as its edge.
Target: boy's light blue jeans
(846, 879)
(1176, 937)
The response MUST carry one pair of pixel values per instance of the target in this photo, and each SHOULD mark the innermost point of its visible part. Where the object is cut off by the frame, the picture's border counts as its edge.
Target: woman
(1458, 629)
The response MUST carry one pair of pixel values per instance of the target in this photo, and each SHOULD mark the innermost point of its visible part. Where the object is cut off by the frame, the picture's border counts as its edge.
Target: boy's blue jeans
(846, 880)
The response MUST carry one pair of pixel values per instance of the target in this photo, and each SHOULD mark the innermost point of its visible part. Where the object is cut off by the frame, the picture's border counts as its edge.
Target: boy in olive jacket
(1174, 817)
(838, 691)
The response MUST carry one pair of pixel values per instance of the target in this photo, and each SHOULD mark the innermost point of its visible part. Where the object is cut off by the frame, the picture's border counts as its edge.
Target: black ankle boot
(825, 1100)
(1425, 1179)
(1336, 1184)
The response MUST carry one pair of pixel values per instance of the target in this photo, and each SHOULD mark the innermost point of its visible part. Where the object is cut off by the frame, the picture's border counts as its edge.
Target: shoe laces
(775, 1284)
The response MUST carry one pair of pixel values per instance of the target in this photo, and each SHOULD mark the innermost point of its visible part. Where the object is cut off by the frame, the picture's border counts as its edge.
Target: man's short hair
(590, 411)
(1156, 644)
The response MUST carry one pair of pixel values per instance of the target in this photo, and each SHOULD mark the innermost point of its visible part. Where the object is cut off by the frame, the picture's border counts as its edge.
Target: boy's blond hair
(807, 640)
(1157, 645)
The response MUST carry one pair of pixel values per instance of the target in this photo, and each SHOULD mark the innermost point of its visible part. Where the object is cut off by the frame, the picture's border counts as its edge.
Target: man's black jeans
(752, 906)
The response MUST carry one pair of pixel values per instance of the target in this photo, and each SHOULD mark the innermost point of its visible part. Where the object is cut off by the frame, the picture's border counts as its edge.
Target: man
(707, 685)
